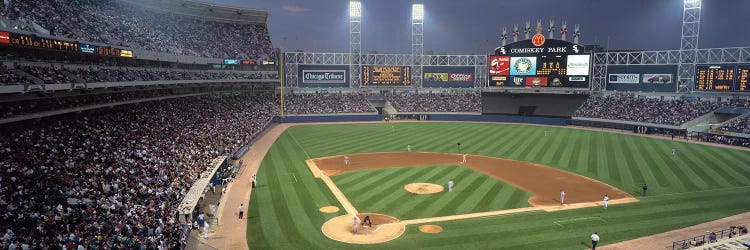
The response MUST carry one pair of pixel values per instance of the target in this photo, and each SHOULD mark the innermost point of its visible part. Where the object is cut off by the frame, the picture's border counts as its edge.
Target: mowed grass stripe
(577, 152)
(593, 163)
(469, 185)
(493, 147)
(407, 209)
(400, 198)
(661, 156)
(613, 160)
(532, 146)
(448, 201)
(703, 160)
(652, 167)
(509, 148)
(385, 190)
(476, 198)
(734, 165)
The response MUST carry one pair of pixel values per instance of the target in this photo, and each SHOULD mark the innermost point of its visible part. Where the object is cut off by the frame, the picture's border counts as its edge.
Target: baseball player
(408, 148)
(594, 240)
(450, 185)
(546, 133)
(463, 159)
(355, 224)
(562, 197)
(254, 181)
(606, 200)
(367, 220)
(644, 189)
(674, 151)
(346, 160)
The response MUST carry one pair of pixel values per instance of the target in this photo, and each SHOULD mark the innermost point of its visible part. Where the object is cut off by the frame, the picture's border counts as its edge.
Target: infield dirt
(543, 182)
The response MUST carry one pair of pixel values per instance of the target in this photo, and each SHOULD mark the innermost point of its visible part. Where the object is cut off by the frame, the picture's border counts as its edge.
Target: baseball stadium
(223, 124)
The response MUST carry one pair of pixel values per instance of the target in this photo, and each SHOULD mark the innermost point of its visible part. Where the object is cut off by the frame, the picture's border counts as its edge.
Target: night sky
(474, 26)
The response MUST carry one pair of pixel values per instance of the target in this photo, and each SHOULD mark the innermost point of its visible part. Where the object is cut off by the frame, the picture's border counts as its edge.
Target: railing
(703, 239)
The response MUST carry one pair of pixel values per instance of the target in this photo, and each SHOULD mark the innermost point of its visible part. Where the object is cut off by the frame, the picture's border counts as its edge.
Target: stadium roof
(205, 11)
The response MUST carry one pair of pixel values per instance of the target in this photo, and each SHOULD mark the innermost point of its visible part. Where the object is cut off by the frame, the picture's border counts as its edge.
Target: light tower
(355, 43)
(691, 22)
(417, 43)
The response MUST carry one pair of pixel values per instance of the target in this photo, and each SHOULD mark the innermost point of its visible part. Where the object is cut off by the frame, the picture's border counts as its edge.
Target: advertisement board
(377, 75)
(126, 53)
(578, 65)
(657, 78)
(652, 78)
(499, 65)
(87, 48)
(4, 37)
(532, 81)
(523, 66)
(448, 77)
(624, 78)
(323, 76)
(231, 61)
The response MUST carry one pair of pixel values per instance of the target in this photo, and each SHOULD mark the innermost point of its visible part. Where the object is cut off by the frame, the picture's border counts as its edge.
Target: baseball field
(303, 172)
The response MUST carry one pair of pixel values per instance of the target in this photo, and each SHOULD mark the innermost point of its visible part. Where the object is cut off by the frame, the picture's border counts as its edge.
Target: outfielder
(450, 185)
(408, 148)
(674, 151)
(346, 160)
(546, 133)
(606, 200)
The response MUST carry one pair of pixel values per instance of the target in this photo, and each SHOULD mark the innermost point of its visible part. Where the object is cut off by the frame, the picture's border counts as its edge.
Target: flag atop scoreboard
(540, 62)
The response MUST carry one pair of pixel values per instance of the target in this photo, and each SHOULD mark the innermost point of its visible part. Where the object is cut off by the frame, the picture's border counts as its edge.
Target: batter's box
(291, 177)
(592, 221)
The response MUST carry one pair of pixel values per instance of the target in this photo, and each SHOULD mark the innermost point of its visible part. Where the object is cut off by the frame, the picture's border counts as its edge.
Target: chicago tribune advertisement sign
(323, 76)
(624, 78)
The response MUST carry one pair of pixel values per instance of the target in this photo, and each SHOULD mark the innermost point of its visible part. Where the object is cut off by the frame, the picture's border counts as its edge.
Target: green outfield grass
(382, 191)
(702, 183)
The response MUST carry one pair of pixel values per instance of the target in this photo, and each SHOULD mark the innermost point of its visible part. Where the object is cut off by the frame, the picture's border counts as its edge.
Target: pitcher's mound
(430, 229)
(329, 209)
(384, 228)
(423, 188)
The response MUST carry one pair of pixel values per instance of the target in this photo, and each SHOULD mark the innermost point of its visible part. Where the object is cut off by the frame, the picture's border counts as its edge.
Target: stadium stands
(629, 107)
(83, 74)
(459, 102)
(116, 23)
(738, 125)
(112, 178)
(325, 103)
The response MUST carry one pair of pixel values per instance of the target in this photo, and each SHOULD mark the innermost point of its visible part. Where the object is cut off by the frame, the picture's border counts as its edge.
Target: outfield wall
(331, 118)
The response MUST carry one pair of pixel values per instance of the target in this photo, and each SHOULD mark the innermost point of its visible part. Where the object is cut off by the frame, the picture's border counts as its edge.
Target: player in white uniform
(346, 160)
(355, 224)
(546, 133)
(606, 200)
(450, 185)
(562, 197)
(463, 159)
(408, 148)
(674, 152)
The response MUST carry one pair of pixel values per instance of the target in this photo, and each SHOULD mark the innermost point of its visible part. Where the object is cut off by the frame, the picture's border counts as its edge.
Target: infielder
(408, 148)
(450, 185)
(346, 160)
(355, 224)
(562, 197)
(463, 159)
(606, 200)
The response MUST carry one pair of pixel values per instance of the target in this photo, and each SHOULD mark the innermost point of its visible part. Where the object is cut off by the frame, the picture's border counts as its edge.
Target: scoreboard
(540, 63)
(721, 77)
(375, 75)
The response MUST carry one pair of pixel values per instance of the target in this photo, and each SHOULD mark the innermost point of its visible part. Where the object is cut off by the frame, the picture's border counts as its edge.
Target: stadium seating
(629, 107)
(325, 103)
(458, 102)
(113, 178)
(115, 23)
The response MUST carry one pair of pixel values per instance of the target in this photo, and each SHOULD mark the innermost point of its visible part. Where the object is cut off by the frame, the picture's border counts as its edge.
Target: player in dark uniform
(367, 220)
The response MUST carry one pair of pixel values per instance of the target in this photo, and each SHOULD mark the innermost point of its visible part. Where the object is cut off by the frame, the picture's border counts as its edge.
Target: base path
(542, 181)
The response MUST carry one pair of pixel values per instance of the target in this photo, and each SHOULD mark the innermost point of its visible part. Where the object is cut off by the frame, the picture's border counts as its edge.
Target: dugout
(532, 104)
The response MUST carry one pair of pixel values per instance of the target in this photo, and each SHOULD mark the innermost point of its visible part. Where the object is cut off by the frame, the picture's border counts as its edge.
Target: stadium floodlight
(417, 11)
(355, 9)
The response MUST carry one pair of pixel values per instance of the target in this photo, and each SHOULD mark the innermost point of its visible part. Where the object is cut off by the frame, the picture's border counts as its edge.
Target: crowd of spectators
(442, 102)
(64, 75)
(117, 23)
(112, 179)
(326, 103)
(23, 107)
(738, 125)
(629, 107)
